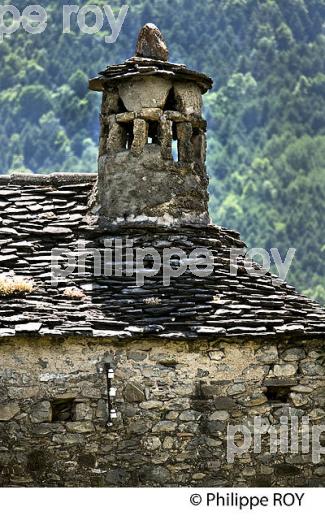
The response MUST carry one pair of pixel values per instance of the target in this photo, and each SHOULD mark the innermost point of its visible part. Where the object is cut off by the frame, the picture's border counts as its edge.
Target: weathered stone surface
(267, 354)
(68, 439)
(41, 412)
(27, 392)
(110, 101)
(125, 117)
(256, 400)
(150, 92)
(152, 443)
(303, 389)
(184, 136)
(175, 194)
(42, 429)
(199, 144)
(178, 427)
(175, 116)
(80, 427)
(116, 141)
(286, 469)
(311, 369)
(133, 393)
(151, 43)
(168, 443)
(293, 354)
(172, 416)
(57, 230)
(216, 427)
(284, 370)
(150, 405)
(158, 474)
(139, 427)
(8, 411)
(83, 412)
(166, 138)
(224, 403)
(188, 427)
(320, 471)
(128, 410)
(102, 148)
(298, 399)
(137, 356)
(221, 415)
(188, 98)
(150, 114)
(236, 389)
(216, 355)
(165, 427)
(189, 415)
(140, 136)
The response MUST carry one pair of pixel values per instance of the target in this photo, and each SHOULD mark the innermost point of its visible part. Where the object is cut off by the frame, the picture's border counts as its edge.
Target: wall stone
(147, 92)
(188, 97)
(174, 402)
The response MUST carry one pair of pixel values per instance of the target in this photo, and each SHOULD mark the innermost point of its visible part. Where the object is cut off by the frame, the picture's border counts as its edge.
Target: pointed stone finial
(151, 43)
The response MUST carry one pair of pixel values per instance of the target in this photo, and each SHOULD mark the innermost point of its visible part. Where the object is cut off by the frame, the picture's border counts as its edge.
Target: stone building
(190, 358)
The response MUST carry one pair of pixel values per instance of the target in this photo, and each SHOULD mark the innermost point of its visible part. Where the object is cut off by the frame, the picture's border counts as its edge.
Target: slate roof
(137, 67)
(39, 212)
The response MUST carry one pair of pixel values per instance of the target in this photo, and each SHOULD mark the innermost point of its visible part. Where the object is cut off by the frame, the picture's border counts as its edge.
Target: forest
(266, 112)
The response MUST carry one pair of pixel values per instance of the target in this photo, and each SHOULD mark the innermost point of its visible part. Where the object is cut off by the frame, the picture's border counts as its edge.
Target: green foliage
(266, 113)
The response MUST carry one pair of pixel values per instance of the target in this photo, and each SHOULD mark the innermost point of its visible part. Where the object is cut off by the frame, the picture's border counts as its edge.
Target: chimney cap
(151, 43)
(151, 59)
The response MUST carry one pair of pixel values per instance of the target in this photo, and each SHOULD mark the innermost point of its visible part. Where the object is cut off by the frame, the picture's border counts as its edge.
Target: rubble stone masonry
(174, 402)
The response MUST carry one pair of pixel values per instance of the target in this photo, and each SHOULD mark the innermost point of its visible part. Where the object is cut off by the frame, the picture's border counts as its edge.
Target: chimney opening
(128, 127)
(121, 109)
(171, 101)
(175, 150)
(153, 131)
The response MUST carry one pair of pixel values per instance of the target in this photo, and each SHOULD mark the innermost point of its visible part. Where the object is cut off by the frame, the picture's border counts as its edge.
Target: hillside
(266, 113)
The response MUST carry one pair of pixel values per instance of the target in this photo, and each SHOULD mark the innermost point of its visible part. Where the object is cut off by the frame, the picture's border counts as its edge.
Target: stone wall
(174, 402)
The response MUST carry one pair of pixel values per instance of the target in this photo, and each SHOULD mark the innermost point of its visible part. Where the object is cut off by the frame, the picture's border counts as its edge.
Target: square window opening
(278, 394)
(63, 410)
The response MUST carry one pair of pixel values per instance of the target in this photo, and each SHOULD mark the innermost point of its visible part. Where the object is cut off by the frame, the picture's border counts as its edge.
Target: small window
(63, 410)
(278, 394)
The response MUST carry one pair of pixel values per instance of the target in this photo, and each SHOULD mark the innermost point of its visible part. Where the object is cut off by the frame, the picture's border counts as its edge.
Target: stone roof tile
(219, 305)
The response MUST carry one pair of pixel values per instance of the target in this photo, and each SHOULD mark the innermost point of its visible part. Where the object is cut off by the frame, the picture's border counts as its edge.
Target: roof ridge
(55, 178)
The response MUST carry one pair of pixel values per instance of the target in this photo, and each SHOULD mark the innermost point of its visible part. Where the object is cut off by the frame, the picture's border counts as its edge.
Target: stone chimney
(152, 149)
